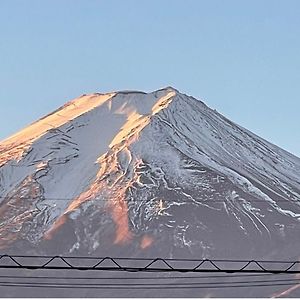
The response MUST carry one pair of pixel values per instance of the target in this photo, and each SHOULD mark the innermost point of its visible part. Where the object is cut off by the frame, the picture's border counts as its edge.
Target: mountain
(147, 175)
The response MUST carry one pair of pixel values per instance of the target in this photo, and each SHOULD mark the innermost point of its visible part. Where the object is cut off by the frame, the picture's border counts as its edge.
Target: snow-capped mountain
(157, 174)
(135, 166)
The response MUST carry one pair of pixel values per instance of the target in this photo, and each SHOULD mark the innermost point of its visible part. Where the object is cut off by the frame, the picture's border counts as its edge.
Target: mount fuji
(139, 174)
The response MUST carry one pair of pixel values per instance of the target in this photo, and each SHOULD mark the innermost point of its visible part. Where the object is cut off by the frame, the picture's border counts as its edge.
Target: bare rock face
(147, 175)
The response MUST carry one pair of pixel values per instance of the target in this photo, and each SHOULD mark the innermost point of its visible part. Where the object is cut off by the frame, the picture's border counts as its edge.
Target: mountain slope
(159, 173)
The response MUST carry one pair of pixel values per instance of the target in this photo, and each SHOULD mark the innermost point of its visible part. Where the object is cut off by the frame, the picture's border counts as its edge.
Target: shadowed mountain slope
(147, 175)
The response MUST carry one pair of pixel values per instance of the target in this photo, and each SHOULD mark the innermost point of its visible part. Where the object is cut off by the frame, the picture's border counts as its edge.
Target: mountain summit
(147, 174)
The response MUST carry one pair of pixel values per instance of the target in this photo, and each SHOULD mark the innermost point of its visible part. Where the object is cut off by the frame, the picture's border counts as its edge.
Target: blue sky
(241, 57)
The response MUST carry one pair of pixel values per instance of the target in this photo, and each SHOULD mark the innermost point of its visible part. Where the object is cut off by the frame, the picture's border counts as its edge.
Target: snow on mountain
(148, 175)
(158, 173)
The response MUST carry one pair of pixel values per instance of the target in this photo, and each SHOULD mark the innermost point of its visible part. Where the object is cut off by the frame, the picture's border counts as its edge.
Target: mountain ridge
(147, 175)
(129, 145)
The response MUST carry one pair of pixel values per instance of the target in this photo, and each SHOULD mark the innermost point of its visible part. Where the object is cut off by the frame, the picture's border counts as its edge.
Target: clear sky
(241, 57)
